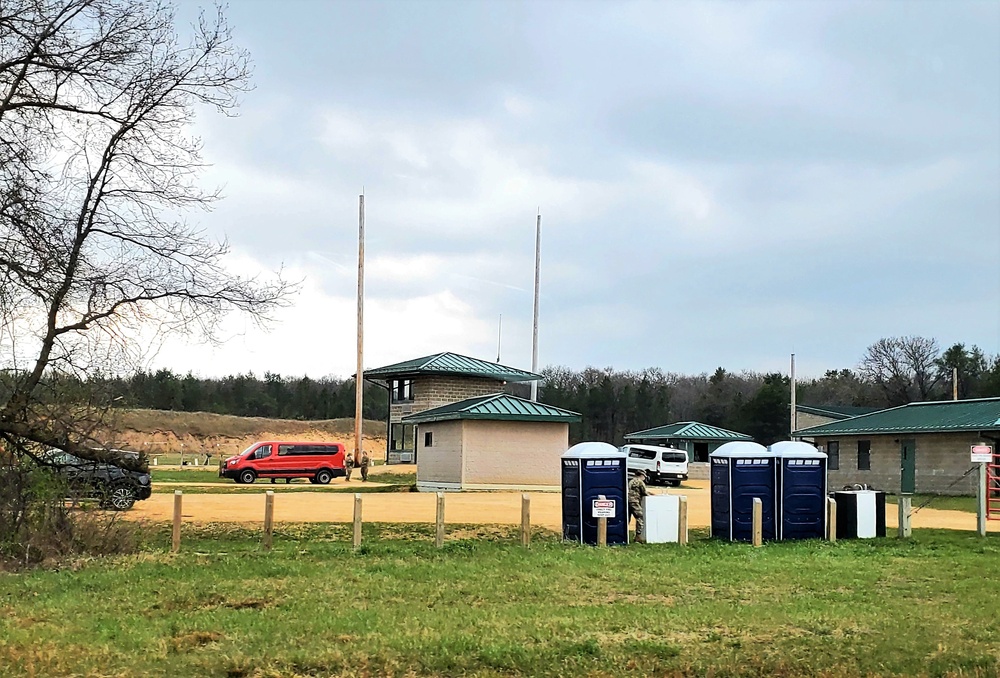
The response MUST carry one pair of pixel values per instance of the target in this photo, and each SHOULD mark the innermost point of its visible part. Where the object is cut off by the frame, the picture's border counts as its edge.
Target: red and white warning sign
(982, 454)
(603, 508)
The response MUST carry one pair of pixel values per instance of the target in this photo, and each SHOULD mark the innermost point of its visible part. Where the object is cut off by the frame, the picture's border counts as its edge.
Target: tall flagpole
(534, 324)
(793, 423)
(359, 380)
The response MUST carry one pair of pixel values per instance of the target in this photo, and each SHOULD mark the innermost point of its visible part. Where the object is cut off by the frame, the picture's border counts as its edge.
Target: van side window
(641, 454)
(262, 452)
(306, 450)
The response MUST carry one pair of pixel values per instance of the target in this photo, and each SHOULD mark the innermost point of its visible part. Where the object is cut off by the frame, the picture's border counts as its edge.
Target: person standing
(636, 491)
(365, 463)
(349, 466)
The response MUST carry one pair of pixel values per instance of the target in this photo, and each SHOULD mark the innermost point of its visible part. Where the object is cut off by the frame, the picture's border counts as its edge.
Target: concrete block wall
(442, 461)
(941, 459)
(435, 391)
(805, 420)
(516, 453)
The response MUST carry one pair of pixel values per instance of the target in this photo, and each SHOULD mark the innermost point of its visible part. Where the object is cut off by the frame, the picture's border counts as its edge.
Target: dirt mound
(159, 432)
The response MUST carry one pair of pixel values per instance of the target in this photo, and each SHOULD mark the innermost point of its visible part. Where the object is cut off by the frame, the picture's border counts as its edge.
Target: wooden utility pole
(359, 379)
(534, 323)
(954, 383)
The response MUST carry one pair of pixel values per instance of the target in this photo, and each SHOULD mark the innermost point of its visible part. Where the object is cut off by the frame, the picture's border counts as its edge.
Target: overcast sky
(720, 184)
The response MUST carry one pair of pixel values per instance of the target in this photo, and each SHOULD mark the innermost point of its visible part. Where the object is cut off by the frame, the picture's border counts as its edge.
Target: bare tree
(99, 168)
(903, 368)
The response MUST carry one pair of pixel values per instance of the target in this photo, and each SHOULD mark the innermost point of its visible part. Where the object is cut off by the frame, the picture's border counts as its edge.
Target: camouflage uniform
(636, 491)
(365, 462)
(349, 466)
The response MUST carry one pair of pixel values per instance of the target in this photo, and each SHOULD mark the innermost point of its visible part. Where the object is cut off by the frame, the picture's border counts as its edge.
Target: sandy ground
(460, 507)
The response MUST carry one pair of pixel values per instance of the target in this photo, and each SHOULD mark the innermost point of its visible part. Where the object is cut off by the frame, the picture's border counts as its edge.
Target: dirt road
(460, 507)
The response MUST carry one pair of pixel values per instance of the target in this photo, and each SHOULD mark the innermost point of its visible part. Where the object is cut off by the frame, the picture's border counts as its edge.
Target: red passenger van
(319, 462)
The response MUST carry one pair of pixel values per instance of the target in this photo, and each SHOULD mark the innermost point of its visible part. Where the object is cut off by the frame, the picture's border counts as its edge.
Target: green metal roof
(688, 430)
(451, 363)
(836, 411)
(496, 407)
(928, 417)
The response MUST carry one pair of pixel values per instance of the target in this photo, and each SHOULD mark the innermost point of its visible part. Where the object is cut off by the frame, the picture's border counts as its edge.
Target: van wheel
(247, 477)
(323, 477)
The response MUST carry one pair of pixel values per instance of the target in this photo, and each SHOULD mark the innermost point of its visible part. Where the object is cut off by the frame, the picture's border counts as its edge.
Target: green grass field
(484, 606)
(168, 480)
(947, 503)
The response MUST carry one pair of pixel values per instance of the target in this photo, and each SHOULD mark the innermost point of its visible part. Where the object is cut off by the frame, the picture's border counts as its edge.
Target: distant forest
(893, 371)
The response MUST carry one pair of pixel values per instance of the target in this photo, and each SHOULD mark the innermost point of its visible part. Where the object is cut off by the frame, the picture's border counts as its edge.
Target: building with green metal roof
(433, 381)
(491, 442)
(697, 439)
(814, 415)
(920, 447)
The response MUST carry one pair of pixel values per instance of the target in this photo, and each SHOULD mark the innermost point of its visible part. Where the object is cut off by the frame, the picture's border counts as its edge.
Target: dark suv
(116, 488)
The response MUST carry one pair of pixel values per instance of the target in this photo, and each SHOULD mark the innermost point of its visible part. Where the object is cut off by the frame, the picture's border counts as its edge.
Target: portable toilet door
(741, 472)
(802, 490)
(600, 472)
(571, 517)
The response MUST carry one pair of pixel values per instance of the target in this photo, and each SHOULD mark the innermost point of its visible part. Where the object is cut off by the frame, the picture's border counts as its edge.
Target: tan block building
(433, 381)
(916, 448)
(807, 416)
(494, 442)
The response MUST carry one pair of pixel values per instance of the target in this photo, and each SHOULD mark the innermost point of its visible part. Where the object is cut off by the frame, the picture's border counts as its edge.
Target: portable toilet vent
(741, 472)
(801, 490)
(594, 471)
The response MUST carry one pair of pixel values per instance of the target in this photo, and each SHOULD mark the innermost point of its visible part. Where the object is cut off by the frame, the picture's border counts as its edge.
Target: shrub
(39, 526)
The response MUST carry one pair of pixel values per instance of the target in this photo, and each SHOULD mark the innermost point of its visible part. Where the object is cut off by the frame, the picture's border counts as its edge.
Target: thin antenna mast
(534, 324)
(359, 379)
(499, 334)
(794, 412)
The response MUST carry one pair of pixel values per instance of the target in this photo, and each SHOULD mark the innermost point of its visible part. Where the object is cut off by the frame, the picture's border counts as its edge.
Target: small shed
(493, 442)
(697, 439)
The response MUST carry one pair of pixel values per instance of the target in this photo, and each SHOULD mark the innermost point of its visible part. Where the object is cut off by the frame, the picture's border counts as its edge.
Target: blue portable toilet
(741, 472)
(802, 490)
(588, 471)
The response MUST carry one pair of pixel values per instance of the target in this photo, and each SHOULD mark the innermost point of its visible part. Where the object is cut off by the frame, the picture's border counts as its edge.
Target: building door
(907, 466)
(701, 451)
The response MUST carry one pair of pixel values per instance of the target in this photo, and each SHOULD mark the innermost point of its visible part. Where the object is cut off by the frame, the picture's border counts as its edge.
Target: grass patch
(483, 606)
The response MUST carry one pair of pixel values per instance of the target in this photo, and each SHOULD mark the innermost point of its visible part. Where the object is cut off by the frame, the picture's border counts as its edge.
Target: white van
(662, 464)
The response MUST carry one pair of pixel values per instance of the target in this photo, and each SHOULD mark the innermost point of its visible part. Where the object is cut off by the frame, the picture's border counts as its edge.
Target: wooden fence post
(268, 519)
(175, 544)
(602, 531)
(831, 519)
(439, 521)
(904, 501)
(357, 520)
(758, 514)
(682, 521)
(525, 520)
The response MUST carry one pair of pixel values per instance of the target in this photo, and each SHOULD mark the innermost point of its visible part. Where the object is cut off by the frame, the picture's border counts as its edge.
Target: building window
(864, 455)
(428, 439)
(402, 390)
(833, 455)
(402, 437)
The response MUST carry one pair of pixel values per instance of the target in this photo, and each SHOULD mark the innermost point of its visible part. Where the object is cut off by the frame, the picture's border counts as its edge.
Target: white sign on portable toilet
(603, 508)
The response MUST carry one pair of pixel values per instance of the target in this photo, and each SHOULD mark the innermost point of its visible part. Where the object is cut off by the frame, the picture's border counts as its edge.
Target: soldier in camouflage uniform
(349, 466)
(636, 491)
(365, 463)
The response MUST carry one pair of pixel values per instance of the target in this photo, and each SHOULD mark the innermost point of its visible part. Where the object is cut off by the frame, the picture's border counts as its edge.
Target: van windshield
(248, 450)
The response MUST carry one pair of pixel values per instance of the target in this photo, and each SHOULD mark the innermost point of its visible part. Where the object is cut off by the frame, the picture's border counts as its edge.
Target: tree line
(893, 371)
